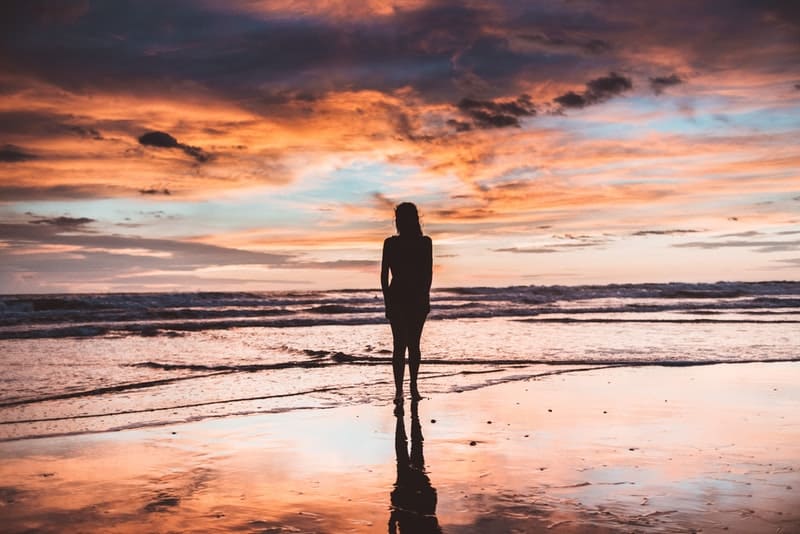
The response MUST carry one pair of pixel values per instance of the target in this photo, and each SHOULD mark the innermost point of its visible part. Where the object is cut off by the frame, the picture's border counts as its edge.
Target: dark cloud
(31, 123)
(154, 191)
(494, 63)
(459, 126)
(573, 242)
(158, 139)
(383, 201)
(197, 153)
(337, 264)
(531, 250)
(165, 140)
(549, 249)
(267, 61)
(21, 125)
(61, 192)
(403, 123)
(282, 97)
(87, 132)
(494, 114)
(791, 262)
(597, 90)
(659, 83)
(605, 87)
(757, 245)
(571, 99)
(749, 233)
(104, 251)
(41, 12)
(14, 154)
(65, 222)
(664, 232)
(557, 42)
(470, 213)
(111, 255)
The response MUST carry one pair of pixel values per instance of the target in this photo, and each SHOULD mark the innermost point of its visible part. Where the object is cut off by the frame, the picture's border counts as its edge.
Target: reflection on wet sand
(651, 450)
(413, 497)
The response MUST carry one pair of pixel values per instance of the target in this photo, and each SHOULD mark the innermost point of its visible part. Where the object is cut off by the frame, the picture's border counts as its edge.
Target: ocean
(86, 363)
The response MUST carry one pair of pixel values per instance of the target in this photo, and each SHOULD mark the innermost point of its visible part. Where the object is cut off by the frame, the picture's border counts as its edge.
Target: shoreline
(638, 449)
(575, 366)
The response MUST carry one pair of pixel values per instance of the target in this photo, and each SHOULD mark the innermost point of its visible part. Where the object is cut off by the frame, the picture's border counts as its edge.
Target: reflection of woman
(413, 497)
(409, 257)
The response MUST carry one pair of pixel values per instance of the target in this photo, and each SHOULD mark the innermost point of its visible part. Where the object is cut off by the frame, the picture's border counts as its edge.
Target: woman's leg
(399, 334)
(414, 354)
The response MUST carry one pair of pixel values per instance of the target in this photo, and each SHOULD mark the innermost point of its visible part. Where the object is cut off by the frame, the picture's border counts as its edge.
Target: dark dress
(410, 260)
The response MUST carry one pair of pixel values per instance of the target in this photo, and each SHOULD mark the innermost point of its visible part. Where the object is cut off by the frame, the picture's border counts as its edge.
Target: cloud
(605, 87)
(383, 202)
(23, 193)
(560, 42)
(790, 262)
(529, 250)
(463, 213)
(659, 83)
(154, 191)
(336, 264)
(571, 99)
(548, 249)
(103, 251)
(65, 222)
(87, 132)
(576, 242)
(767, 246)
(122, 255)
(597, 91)
(494, 114)
(159, 139)
(459, 126)
(309, 90)
(14, 154)
(165, 140)
(749, 233)
(41, 127)
(664, 232)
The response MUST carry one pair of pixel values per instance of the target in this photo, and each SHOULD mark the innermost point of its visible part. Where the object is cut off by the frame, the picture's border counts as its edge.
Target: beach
(223, 225)
(709, 448)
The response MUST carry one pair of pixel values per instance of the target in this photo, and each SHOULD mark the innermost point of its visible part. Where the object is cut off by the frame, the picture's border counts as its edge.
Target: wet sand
(649, 449)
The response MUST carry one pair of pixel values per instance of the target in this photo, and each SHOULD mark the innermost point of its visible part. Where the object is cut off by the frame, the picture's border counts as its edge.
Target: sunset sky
(261, 145)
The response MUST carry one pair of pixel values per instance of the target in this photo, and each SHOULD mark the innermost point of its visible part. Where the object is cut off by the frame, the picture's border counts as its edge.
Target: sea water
(100, 362)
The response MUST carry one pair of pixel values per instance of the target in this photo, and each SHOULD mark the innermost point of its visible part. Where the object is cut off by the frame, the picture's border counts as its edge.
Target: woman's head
(406, 219)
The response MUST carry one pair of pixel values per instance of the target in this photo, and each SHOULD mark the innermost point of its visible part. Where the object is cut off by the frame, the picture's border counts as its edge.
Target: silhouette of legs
(398, 357)
(414, 355)
(406, 333)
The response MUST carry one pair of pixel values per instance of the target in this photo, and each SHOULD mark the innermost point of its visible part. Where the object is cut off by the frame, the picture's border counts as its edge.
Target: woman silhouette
(409, 257)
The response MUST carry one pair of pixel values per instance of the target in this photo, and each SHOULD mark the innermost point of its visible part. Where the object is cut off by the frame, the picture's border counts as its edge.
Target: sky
(261, 145)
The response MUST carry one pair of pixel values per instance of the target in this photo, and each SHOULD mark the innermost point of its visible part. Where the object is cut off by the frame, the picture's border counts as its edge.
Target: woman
(409, 257)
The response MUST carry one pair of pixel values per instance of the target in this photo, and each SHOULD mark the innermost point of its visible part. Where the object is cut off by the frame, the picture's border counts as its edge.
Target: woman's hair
(407, 219)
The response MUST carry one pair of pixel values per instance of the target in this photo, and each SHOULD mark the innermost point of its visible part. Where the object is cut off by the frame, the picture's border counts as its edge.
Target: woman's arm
(385, 275)
(428, 263)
